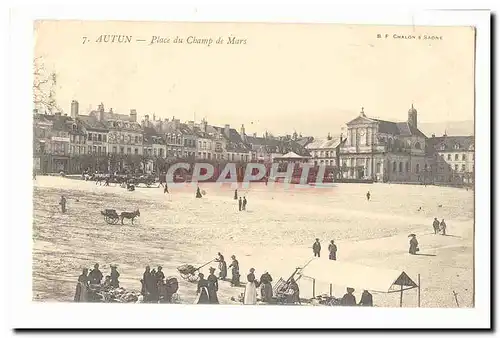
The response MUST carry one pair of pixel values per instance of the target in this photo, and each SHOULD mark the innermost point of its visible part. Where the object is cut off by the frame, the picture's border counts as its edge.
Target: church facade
(386, 151)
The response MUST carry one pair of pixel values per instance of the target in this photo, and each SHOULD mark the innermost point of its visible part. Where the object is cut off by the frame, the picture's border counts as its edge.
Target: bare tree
(44, 85)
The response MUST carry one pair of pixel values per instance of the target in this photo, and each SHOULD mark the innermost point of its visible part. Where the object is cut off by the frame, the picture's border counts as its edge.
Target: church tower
(412, 117)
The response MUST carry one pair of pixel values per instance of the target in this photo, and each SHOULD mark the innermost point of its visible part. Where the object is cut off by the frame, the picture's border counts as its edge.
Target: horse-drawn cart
(110, 216)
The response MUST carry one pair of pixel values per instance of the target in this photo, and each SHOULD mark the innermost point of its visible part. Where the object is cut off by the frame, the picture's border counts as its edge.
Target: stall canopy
(291, 155)
(357, 276)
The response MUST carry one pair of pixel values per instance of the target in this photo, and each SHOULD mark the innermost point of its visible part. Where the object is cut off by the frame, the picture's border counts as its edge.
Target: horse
(129, 215)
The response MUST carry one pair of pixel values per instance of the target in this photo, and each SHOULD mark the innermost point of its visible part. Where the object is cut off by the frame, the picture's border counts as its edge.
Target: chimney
(254, 134)
(204, 125)
(433, 135)
(226, 130)
(362, 113)
(74, 109)
(146, 120)
(101, 112)
(242, 133)
(133, 115)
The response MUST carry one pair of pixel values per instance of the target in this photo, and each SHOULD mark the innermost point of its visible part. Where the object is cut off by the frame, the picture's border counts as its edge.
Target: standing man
(317, 248)
(435, 225)
(244, 203)
(236, 194)
(442, 226)
(332, 249)
(62, 203)
(368, 196)
(240, 202)
(95, 275)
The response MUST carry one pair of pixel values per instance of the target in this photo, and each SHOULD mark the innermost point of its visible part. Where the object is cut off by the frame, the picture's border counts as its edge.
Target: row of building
(372, 149)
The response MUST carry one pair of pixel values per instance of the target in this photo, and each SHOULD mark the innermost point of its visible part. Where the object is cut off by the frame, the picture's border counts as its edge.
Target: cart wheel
(108, 219)
(115, 220)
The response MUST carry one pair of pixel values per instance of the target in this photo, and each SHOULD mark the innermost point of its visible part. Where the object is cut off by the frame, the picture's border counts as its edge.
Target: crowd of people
(155, 288)
(94, 278)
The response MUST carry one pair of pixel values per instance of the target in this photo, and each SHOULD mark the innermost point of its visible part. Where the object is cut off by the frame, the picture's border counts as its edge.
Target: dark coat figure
(114, 277)
(82, 286)
(266, 290)
(240, 204)
(150, 286)
(165, 190)
(95, 275)
(413, 246)
(294, 297)
(213, 287)
(435, 225)
(349, 299)
(244, 207)
(317, 248)
(106, 181)
(368, 196)
(366, 299)
(62, 203)
(236, 194)
(442, 227)
(332, 249)
(198, 193)
(235, 271)
(160, 276)
(222, 266)
(202, 290)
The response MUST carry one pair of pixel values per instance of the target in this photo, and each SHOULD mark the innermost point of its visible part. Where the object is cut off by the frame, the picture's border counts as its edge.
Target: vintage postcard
(313, 165)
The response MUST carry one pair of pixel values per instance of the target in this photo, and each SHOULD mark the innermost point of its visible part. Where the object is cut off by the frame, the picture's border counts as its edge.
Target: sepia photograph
(230, 164)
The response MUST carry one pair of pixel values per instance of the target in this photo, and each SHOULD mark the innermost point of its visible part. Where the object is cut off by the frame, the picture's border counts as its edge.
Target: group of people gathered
(207, 289)
(94, 278)
(156, 288)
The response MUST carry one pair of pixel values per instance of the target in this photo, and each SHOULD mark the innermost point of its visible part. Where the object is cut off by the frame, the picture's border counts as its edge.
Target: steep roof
(92, 123)
(448, 143)
(398, 128)
(324, 143)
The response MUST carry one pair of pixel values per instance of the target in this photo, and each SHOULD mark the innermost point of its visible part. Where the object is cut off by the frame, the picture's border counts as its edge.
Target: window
(99, 137)
(417, 168)
(199, 153)
(104, 150)
(89, 137)
(204, 145)
(94, 137)
(136, 139)
(456, 146)
(129, 150)
(400, 167)
(463, 157)
(114, 150)
(456, 167)
(463, 167)
(94, 149)
(379, 167)
(209, 156)
(394, 167)
(407, 167)
(456, 157)
(103, 138)
(155, 152)
(417, 145)
(449, 157)
(199, 144)
(122, 150)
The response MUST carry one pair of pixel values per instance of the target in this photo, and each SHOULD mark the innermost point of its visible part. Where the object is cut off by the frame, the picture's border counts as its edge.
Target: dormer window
(456, 146)
(443, 146)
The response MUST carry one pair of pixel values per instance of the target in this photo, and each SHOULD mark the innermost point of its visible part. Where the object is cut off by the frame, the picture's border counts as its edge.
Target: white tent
(291, 155)
(357, 276)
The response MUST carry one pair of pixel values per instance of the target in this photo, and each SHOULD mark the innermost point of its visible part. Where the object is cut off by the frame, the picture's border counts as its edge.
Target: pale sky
(303, 77)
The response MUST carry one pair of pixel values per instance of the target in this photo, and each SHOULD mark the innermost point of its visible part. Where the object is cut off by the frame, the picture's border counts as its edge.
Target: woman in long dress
(213, 287)
(222, 266)
(250, 297)
(266, 287)
(235, 271)
(413, 245)
(82, 286)
(202, 290)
